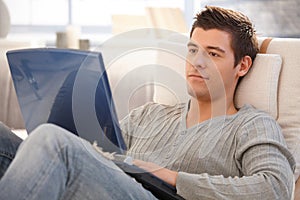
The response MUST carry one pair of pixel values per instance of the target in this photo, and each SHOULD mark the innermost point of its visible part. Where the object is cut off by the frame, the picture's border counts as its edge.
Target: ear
(245, 65)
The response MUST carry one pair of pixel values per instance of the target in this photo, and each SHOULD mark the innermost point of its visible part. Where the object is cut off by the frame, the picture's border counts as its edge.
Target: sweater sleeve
(265, 164)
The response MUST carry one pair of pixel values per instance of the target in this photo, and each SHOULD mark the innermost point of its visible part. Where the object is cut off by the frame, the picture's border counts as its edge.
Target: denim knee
(50, 141)
(9, 144)
(50, 134)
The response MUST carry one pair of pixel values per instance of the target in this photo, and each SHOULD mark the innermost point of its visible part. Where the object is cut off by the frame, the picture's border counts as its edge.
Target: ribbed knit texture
(240, 156)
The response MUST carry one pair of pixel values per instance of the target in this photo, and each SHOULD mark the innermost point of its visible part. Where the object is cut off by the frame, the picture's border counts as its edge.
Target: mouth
(198, 76)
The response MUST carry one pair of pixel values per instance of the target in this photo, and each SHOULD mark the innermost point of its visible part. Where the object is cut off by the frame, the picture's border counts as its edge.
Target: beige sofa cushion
(260, 86)
(289, 93)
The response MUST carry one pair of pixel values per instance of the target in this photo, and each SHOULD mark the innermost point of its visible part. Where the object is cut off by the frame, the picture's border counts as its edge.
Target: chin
(201, 94)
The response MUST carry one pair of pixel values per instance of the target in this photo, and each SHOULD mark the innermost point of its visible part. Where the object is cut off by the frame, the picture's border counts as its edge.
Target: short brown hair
(243, 34)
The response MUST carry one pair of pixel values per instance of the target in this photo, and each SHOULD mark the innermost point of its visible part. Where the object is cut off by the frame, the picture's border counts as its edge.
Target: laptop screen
(69, 88)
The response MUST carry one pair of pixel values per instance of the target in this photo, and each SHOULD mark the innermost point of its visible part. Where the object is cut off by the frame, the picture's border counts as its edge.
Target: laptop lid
(69, 88)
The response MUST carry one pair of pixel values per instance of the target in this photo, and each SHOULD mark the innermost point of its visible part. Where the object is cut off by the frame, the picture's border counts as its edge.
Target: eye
(192, 50)
(213, 54)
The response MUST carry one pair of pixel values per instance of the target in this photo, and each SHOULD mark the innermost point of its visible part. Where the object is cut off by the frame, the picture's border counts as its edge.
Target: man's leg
(55, 164)
(9, 144)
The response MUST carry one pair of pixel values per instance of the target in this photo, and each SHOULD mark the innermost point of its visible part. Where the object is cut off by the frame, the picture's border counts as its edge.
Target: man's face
(210, 70)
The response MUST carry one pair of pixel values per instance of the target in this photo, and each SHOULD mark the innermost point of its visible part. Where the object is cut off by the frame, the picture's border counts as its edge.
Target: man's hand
(167, 175)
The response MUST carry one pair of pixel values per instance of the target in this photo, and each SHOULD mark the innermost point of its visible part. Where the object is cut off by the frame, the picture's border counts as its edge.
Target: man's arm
(171, 176)
(165, 174)
(198, 186)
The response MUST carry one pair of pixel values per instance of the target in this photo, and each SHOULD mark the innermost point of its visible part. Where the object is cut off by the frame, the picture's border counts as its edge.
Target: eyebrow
(216, 48)
(192, 44)
(208, 47)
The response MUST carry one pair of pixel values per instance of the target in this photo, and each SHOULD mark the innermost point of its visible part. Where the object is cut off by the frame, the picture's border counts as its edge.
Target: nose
(199, 60)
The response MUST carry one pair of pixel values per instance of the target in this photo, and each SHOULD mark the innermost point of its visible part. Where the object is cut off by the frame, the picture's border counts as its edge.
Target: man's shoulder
(250, 118)
(258, 121)
(251, 112)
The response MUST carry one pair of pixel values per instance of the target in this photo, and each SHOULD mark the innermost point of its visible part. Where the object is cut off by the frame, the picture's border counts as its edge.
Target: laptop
(70, 88)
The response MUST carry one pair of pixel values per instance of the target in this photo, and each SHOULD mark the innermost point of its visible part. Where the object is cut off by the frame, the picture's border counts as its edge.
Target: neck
(200, 111)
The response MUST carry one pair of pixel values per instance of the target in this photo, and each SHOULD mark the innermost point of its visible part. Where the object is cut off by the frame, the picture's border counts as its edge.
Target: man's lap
(89, 173)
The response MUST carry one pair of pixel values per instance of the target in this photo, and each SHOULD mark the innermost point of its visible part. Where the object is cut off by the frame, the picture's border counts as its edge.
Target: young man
(206, 148)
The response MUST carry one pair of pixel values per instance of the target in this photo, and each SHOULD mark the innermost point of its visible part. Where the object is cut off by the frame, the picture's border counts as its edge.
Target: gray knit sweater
(240, 156)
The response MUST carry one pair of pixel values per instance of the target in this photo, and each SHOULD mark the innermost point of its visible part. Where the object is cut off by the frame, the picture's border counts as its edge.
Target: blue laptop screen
(69, 88)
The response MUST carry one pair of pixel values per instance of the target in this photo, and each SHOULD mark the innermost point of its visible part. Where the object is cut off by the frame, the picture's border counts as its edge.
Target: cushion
(289, 93)
(260, 86)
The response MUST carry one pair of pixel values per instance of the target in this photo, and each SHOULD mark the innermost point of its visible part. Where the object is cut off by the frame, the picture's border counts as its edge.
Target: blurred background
(94, 21)
(89, 24)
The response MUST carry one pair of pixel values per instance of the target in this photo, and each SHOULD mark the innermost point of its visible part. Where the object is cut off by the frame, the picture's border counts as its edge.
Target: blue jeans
(9, 144)
(55, 164)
